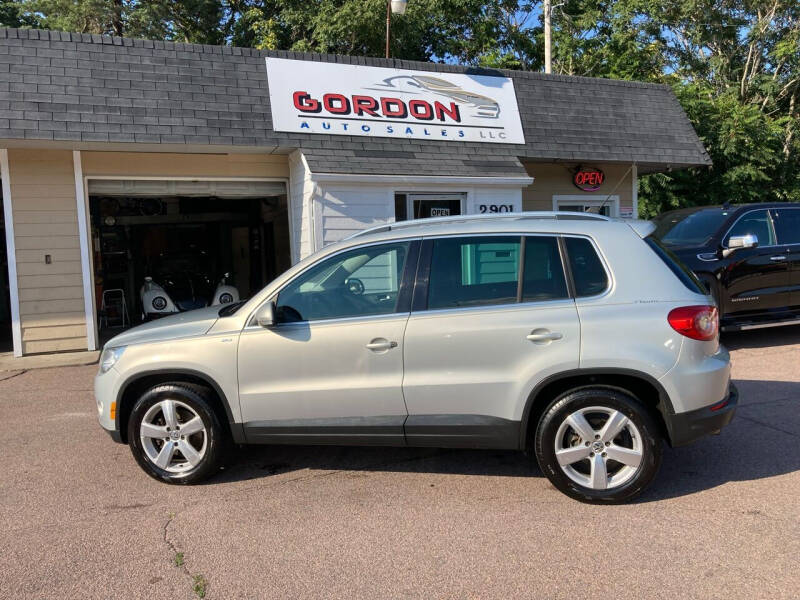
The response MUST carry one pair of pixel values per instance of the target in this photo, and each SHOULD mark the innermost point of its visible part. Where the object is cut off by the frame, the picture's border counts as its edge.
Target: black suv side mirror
(739, 242)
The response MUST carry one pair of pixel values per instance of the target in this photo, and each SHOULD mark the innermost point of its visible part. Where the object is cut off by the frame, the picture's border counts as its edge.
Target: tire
(569, 460)
(189, 458)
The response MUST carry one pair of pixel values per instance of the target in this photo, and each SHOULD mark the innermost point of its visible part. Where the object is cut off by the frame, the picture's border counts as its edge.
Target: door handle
(544, 336)
(381, 345)
(778, 257)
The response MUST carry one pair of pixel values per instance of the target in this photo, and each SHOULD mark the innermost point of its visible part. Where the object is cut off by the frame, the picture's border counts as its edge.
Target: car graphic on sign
(483, 105)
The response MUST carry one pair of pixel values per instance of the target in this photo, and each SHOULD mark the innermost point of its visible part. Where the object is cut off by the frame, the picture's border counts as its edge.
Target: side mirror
(739, 242)
(265, 316)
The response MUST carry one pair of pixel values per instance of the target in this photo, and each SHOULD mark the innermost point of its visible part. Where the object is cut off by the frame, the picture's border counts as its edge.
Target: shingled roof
(86, 89)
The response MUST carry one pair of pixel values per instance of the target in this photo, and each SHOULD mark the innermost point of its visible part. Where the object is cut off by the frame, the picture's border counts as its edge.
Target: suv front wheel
(598, 445)
(175, 435)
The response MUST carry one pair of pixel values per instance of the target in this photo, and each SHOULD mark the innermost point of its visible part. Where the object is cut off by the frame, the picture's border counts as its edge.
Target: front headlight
(110, 357)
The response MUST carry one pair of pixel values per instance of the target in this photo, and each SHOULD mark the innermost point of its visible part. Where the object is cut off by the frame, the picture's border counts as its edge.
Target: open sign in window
(424, 206)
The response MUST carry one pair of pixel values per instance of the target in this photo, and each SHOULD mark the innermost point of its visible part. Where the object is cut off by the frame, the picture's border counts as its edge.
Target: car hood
(181, 325)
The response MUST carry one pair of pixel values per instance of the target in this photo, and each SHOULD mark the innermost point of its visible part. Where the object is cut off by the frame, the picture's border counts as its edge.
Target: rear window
(682, 272)
(588, 274)
(787, 224)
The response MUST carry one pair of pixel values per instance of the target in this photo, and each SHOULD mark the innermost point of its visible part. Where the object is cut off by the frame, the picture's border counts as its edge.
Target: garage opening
(6, 342)
(166, 246)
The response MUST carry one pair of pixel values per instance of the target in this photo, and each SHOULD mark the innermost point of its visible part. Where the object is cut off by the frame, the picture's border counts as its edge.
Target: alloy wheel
(598, 447)
(173, 436)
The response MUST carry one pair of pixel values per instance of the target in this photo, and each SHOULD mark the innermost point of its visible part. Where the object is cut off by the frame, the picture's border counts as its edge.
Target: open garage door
(166, 246)
(6, 342)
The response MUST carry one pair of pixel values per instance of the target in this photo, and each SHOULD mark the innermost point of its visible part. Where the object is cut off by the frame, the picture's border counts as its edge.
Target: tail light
(696, 322)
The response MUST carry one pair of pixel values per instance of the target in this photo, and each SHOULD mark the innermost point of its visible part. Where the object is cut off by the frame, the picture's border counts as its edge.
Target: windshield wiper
(229, 309)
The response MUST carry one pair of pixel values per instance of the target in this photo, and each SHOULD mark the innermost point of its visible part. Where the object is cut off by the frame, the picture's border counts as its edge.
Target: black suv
(747, 255)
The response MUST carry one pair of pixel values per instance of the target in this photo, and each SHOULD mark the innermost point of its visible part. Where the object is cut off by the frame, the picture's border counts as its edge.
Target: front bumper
(106, 391)
(685, 428)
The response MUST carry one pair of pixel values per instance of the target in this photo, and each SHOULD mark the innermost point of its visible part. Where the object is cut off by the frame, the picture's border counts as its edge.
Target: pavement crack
(198, 581)
(757, 422)
(17, 374)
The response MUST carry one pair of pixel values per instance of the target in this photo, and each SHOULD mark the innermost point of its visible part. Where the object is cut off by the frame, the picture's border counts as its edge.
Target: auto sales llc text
(385, 129)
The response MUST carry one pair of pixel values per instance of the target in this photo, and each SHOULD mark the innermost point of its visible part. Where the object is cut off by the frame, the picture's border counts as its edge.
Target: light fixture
(399, 6)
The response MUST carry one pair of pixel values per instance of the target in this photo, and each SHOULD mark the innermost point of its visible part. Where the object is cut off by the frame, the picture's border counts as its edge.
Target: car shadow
(762, 441)
(769, 337)
(253, 462)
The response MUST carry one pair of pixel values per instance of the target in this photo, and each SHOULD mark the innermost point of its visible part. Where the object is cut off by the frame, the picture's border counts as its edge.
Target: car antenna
(611, 193)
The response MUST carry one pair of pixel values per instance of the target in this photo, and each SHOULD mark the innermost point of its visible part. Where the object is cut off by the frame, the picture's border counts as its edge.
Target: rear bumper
(685, 428)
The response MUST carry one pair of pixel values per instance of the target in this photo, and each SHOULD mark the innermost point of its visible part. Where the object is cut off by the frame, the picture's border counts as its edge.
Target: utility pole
(388, 24)
(397, 7)
(548, 60)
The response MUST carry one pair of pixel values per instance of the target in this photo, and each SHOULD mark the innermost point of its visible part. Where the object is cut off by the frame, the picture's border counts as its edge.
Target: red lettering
(420, 110)
(304, 102)
(441, 110)
(336, 104)
(393, 107)
(365, 105)
(589, 179)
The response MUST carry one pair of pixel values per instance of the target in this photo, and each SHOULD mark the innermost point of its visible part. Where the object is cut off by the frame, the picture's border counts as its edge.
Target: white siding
(301, 190)
(348, 209)
(324, 212)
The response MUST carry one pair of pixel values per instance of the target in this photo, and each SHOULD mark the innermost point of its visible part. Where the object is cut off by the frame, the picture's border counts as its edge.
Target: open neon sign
(589, 180)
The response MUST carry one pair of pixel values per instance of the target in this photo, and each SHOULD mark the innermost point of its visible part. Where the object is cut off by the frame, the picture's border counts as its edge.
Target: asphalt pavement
(79, 519)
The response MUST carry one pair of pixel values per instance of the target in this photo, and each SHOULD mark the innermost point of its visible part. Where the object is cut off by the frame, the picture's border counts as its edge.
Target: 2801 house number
(495, 208)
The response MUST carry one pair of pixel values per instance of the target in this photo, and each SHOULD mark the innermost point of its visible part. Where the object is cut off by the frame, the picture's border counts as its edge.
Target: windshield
(689, 228)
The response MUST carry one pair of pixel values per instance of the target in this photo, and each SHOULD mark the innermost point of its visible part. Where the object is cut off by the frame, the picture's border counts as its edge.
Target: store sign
(440, 212)
(588, 180)
(336, 99)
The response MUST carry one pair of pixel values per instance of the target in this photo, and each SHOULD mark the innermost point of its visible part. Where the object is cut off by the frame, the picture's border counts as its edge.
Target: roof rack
(518, 216)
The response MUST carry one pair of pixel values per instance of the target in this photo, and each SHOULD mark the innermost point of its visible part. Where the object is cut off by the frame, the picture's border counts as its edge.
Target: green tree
(735, 68)
(465, 31)
(178, 20)
(734, 64)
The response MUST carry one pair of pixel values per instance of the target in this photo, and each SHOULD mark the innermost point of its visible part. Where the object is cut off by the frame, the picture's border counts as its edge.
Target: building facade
(122, 159)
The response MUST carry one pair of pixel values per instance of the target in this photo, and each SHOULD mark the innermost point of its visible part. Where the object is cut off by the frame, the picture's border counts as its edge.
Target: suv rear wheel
(598, 445)
(175, 435)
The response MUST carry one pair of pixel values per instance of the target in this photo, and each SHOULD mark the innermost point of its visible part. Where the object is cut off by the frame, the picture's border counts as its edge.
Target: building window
(400, 211)
(601, 204)
(426, 205)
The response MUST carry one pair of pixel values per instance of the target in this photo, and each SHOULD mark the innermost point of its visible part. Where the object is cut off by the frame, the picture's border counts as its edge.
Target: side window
(756, 223)
(543, 278)
(587, 269)
(360, 282)
(787, 225)
(474, 271)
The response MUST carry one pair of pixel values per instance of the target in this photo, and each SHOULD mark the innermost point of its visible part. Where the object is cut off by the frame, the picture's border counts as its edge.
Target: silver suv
(576, 338)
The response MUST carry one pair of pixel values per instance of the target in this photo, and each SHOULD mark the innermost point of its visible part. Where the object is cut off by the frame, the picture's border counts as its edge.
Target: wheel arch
(643, 386)
(135, 385)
